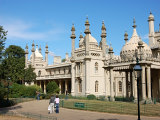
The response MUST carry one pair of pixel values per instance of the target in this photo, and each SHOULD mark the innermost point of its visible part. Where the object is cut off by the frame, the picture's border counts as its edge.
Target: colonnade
(129, 83)
(64, 85)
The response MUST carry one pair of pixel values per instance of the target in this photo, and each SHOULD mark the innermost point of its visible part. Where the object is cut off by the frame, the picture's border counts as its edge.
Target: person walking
(51, 103)
(57, 103)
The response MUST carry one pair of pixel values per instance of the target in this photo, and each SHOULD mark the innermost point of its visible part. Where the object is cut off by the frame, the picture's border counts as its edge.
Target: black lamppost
(138, 69)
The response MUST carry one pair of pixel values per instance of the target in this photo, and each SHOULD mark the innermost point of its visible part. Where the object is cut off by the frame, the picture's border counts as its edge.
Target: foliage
(13, 64)
(63, 60)
(29, 75)
(102, 98)
(6, 103)
(91, 97)
(18, 90)
(3, 38)
(52, 87)
(3, 91)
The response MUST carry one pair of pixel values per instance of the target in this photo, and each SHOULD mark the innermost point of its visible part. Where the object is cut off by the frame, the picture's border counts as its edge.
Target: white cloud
(18, 29)
(51, 53)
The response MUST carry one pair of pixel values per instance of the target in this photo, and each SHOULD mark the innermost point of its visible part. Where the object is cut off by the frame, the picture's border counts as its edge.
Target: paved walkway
(40, 107)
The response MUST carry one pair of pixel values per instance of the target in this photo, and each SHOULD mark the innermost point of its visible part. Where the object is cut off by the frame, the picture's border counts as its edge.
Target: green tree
(3, 38)
(29, 75)
(52, 87)
(13, 64)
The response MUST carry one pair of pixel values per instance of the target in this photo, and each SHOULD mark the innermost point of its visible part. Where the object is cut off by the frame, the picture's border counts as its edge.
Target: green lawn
(112, 107)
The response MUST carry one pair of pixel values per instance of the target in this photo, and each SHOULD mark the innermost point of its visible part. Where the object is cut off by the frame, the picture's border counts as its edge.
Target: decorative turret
(103, 38)
(40, 49)
(46, 55)
(33, 53)
(111, 53)
(152, 41)
(126, 37)
(87, 31)
(140, 47)
(81, 41)
(73, 36)
(26, 56)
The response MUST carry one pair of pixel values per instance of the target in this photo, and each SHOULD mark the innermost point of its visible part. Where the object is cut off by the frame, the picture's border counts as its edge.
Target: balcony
(50, 77)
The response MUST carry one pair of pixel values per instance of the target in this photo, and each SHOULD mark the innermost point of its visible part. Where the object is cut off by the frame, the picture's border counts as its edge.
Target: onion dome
(129, 49)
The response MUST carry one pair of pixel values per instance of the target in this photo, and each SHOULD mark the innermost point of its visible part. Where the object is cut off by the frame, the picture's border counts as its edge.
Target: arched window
(120, 86)
(80, 86)
(96, 67)
(39, 73)
(96, 86)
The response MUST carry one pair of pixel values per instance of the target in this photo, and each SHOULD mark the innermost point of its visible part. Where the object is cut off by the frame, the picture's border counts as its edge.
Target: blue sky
(49, 21)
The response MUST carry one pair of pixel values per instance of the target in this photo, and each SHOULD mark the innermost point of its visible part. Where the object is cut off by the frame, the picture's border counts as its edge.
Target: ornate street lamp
(138, 69)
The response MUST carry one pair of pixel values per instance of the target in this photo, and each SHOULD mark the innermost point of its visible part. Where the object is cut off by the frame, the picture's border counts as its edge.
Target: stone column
(149, 82)
(60, 86)
(116, 87)
(135, 89)
(44, 87)
(40, 84)
(143, 84)
(73, 78)
(111, 84)
(66, 86)
(133, 84)
(87, 76)
(124, 86)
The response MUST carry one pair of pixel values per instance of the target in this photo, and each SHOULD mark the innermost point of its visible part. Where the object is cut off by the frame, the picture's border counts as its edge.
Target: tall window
(120, 86)
(96, 67)
(80, 86)
(96, 86)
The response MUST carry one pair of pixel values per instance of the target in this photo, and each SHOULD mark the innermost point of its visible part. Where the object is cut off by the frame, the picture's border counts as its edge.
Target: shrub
(102, 98)
(18, 90)
(91, 97)
(52, 87)
(124, 99)
(3, 92)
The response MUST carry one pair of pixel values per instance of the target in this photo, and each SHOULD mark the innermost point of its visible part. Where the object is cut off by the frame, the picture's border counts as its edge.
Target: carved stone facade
(94, 69)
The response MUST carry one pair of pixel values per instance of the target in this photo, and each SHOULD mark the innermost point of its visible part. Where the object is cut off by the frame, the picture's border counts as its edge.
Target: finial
(87, 22)
(81, 36)
(26, 46)
(73, 28)
(134, 23)
(46, 45)
(33, 43)
(150, 12)
(103, 26)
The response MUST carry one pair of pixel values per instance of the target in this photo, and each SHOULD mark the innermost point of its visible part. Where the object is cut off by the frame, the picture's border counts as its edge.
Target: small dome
(151, 17)
(110, 49)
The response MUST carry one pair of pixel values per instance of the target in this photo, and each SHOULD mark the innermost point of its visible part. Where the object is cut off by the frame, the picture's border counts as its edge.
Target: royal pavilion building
(94, 69)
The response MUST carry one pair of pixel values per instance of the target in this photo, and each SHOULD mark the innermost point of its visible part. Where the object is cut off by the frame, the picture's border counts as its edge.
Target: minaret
(103, 38)
(86, 39)
(126, 37)
(26, 56)
(73, 36)
(33, 53)
(151, 30)
(46, 55)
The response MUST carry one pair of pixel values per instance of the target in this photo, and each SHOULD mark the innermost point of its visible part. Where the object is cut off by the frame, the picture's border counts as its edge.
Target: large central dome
(129, 49)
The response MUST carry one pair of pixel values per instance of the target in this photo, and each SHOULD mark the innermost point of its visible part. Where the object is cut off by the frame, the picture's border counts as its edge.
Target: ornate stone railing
(61, 76)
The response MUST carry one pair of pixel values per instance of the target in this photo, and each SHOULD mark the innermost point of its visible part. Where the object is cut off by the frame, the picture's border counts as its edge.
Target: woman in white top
(57, 103)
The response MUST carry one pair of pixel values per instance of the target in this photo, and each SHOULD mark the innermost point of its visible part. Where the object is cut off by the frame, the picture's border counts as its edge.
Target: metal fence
(28, 115)
(112, 107)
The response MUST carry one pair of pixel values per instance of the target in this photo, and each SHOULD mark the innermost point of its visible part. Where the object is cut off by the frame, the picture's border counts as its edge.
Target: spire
(26, 49)
(87, 31)
(73, 36)
(81, 36)
(33, 47)
(126, 37)
(103, 35)
(46, 49)
(134, 23)
(40, 49)
(134, 29)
